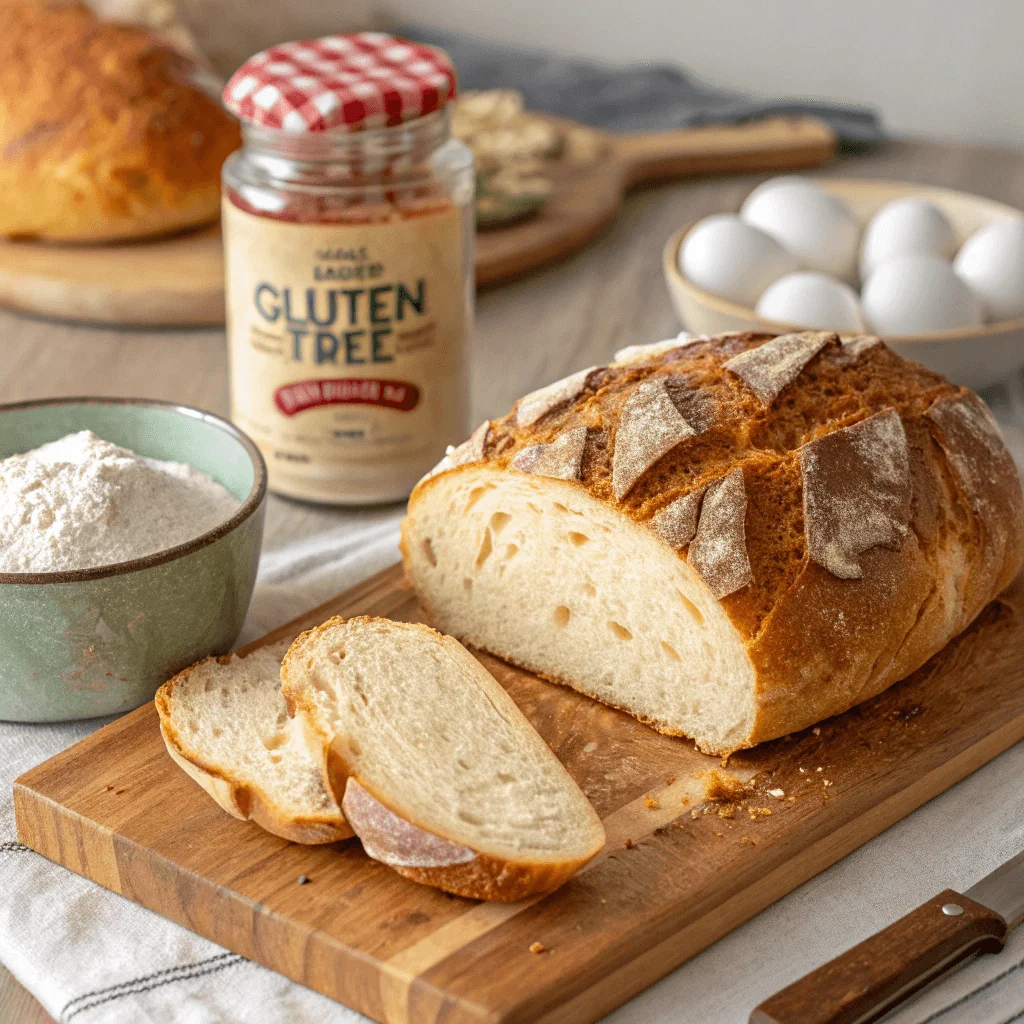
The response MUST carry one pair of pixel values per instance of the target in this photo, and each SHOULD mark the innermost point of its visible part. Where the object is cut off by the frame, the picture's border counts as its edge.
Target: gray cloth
(93, 957)
(651, 98)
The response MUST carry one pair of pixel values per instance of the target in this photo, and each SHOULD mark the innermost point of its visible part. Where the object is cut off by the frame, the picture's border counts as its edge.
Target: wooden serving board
(178, 281)
(678, 872)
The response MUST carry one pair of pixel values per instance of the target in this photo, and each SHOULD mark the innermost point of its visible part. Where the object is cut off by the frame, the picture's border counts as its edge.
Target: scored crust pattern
(718, 552)
(562, 458)
(650, 426)
(857, 492)
(677, 523)
(969, 436)
(474, 449)
(771, 367)
(536, 404)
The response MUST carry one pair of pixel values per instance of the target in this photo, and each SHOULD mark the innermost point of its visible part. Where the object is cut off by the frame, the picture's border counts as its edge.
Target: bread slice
(225, 722)
(443, 778)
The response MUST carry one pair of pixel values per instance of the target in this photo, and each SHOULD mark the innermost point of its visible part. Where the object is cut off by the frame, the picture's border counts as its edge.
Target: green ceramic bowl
(98, 641)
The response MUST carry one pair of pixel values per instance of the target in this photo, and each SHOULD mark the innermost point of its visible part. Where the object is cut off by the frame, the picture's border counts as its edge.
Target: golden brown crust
(499, 881)
(105, 131)
(818, 643)
(237, 797)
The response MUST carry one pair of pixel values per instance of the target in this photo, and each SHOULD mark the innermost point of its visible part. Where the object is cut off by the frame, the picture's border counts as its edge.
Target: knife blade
(867, 981)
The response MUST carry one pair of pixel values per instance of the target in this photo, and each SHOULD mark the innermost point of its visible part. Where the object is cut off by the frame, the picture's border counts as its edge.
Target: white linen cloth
(93, 957)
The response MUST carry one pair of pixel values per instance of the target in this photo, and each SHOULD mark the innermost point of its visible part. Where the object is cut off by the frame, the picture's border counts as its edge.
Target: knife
(866, 982)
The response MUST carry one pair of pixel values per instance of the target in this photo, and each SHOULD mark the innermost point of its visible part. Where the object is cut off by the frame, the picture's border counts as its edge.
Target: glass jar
(349, 282)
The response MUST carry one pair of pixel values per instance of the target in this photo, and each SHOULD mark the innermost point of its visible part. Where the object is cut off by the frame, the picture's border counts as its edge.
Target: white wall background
(945, 69)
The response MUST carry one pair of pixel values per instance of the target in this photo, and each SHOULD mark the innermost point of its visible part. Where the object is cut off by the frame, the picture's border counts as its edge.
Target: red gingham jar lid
(365, 80)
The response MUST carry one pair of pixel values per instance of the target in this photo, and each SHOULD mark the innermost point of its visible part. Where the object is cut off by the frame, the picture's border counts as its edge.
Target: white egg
(918, 294)
(902, 227)
(809, 299)
(782, 179)
(731, 259)
(991, 261)
(817, 227)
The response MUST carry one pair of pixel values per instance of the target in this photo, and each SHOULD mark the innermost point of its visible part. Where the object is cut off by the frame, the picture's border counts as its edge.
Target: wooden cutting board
(678, 872)
(178, 281)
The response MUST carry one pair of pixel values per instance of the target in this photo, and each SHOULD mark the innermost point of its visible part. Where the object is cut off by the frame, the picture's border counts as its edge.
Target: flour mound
(82, 502)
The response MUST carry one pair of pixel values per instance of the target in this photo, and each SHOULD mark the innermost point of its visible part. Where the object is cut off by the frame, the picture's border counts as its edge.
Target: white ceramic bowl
(976, 358)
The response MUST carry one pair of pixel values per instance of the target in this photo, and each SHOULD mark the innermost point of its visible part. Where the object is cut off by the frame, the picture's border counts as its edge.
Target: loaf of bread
(441, 775)
(225, 722)
(107, 131)
(729, 538)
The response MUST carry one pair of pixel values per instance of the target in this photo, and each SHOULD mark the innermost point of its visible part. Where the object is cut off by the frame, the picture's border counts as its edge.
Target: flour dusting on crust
(977, 455)
(638, 353)
(392, 840)
(676, 523)
(650, 426)
(474, 449)
(719, 550)
(539, 403)
(562, 458)
(771, 367)
(857, 492)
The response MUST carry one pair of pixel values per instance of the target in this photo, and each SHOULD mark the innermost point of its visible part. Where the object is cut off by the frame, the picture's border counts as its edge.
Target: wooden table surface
(528, 332)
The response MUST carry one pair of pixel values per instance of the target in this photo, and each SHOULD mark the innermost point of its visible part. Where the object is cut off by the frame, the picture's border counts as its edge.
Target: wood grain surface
(678, 870)
(571, 314)
(179, 281)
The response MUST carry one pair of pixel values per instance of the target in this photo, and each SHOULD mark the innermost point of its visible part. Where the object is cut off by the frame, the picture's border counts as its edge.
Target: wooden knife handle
(867, 981)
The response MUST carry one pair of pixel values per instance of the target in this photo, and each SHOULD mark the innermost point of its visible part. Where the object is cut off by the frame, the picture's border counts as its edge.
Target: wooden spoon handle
(869, 980)
(774, 143)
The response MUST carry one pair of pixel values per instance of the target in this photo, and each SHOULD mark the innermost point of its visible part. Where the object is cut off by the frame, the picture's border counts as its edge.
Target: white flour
(82, 502)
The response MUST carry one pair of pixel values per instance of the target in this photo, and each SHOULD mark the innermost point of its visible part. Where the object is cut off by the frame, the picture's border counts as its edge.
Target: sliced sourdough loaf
(730, 538)
(443, 778)
(225, 722)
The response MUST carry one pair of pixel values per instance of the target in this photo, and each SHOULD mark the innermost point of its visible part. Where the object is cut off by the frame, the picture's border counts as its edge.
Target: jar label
(347, 341)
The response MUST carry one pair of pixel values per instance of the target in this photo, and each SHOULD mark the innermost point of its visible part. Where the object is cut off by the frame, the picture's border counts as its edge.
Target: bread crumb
(802, 771)
(628, 844)
(727, 811)
(537, 947)
(719, 786)
(777, 793)
(651, 803)
(695, 813)
(590, 748)
(719, 835)
(725, 761)
(747, 841)
(817, 769)
(826, 782)
(756, 813)
(816, 730)
(303, 879)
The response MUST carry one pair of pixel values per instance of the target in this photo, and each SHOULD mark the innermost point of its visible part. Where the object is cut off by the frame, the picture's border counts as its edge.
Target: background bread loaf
(107, 131)
(731, 538)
